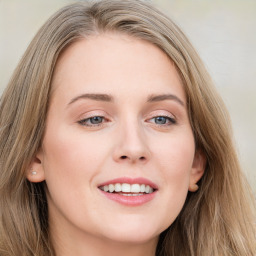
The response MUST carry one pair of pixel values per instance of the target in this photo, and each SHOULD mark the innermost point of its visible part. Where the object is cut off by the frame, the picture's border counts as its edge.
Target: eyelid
(170, 119)
(82, 122)
(162, 113)
(91, 114)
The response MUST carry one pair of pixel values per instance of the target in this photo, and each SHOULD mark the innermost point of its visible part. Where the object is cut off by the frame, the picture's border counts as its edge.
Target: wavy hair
(217, 220)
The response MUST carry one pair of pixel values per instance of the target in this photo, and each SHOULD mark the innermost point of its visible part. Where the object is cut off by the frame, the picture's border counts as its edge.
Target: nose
(131, 146)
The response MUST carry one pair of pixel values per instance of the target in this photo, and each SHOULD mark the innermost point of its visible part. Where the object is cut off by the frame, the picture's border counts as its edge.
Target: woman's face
(117, 122)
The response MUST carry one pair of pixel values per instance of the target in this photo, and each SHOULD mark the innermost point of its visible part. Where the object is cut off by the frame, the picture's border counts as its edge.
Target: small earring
(33, 172)
(193, 188)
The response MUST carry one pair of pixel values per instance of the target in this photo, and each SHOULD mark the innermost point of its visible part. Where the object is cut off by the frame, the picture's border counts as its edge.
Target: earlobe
(35, 172)
(197, 171)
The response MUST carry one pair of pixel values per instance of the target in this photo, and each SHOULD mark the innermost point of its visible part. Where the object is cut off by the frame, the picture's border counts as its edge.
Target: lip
(130, 200)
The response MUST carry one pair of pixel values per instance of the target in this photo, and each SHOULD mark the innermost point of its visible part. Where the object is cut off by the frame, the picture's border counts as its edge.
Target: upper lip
(129, 180)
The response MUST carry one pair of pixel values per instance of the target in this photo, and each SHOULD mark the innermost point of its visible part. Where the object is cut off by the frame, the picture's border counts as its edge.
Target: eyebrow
(162, 97)
(93, 96)
(109, 98)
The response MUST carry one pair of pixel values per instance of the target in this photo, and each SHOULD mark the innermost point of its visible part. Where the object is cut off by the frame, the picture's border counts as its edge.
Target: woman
(114, 142)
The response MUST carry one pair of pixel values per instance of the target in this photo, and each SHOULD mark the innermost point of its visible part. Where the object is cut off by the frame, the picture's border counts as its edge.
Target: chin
(134, 238)
(133, 234)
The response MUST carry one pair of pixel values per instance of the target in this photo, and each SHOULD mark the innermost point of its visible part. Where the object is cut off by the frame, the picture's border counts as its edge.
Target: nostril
(142, 158)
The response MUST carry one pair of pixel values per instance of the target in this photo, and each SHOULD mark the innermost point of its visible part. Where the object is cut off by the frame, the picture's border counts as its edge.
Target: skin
(129, 141)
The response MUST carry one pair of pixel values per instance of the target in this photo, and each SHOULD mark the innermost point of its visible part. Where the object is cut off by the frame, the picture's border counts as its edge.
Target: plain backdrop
(223, 32)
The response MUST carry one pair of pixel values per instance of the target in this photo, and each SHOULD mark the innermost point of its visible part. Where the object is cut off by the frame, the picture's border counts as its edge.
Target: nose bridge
(131, 143)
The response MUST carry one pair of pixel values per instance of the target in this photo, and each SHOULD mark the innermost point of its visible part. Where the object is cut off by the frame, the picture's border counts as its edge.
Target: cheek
(72, 160)
(70, 163)
(174, 160)
(68, 159)
(70, 150)
(176, 154)
(177, 168)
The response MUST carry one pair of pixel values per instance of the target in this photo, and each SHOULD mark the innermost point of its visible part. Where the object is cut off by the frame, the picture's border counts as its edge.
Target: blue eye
(96, 119)
(163, 120)
(160, 120)
(92, 121)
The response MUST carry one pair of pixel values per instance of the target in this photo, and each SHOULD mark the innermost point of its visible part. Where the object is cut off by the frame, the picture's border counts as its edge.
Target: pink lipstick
(129, 191)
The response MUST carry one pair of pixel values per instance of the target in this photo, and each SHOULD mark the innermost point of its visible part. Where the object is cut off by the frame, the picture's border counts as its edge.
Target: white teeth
(131, 194)
(129, 189)
(147, 189)
(135, 188)
(118, 187)
(142, 188)
(126, 187)
(111, 188)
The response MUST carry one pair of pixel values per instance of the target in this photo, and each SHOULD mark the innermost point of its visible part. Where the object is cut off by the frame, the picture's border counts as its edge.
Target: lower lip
(130, 200)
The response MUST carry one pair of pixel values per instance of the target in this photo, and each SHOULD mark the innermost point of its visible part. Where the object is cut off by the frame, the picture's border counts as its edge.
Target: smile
(126, 189)
(129, 191)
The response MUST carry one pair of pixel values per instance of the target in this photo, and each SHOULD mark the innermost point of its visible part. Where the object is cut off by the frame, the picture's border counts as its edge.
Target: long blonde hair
(217, 220)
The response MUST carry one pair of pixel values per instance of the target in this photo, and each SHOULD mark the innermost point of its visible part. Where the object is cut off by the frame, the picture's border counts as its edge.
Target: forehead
(115, 63)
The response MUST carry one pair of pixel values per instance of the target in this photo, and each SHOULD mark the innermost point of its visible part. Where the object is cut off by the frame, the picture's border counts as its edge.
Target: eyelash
(170, 120)
(84, 122)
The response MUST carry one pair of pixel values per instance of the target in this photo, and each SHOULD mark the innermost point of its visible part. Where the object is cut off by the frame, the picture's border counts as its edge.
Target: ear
(197, 171)
(35, 172)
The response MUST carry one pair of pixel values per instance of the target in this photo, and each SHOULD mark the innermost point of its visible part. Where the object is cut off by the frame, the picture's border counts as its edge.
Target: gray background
(223, 32)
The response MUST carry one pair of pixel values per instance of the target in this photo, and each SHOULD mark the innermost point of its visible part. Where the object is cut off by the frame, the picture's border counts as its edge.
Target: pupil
(160, 120)
(96, 120)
